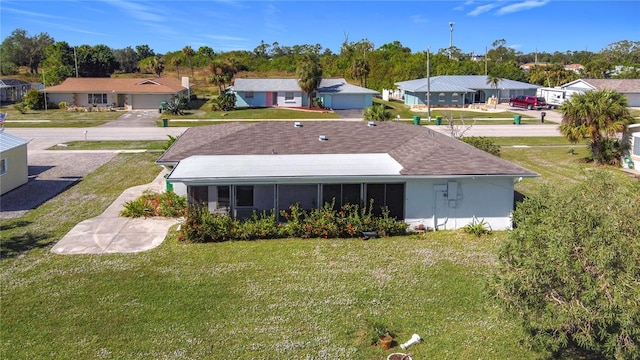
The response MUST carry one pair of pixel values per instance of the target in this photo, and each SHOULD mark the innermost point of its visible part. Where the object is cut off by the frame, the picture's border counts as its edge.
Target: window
(342, 193)
(199, 195)
(96, 99)
(441, 97)
(636, 145)
(248, 94)
(454, 97)
(289, 96)
(3, 166)
(390, 196)
(244, 195)
(223, 197)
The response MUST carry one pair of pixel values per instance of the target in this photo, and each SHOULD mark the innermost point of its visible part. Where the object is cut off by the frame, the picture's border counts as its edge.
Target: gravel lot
(50, 173)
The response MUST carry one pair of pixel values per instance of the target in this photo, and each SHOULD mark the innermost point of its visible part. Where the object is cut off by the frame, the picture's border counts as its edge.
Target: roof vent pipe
(297, 124)
(322, 138)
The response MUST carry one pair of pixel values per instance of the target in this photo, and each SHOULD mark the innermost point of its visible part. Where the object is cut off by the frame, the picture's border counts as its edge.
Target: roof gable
(419, 150)
(163, 85)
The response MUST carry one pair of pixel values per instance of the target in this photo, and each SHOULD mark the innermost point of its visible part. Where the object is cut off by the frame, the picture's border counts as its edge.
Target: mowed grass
(269, 299)
(56, 118)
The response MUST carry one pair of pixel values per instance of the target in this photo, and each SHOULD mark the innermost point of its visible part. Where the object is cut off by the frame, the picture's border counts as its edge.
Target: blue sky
(526, 25)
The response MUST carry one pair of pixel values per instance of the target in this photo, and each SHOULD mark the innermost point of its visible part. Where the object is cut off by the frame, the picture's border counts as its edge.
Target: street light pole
(428, 86)
(450, 37)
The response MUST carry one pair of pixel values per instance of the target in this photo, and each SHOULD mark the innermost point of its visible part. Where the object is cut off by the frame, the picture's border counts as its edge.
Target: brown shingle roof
(419, 150)
(162, 85)
(619, 85)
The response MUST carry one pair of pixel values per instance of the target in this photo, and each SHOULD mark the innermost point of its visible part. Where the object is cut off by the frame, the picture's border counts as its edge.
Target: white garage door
(147, 101)
(633, 100)
(347, 101)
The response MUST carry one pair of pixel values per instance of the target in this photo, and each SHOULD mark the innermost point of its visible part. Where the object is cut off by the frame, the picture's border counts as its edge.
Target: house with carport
(419, 175)
(460, 90)
(123, 93)
(14, 168)
(335, 94)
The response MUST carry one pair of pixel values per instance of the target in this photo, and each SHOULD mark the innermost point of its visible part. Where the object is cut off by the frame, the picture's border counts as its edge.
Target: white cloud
(418, 19)
(272, 19)
(525, 5)
(139, 11)
(481, 9)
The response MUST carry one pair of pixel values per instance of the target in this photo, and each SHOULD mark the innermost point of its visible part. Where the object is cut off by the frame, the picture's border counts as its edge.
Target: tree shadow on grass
(15, 245)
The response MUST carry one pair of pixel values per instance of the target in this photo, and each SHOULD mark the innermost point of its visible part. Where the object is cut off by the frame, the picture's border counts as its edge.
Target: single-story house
(13, 90)
(460, 90)
(420, 175)
(126, 93)
(14, 168)
(335, 94)
(630, 88)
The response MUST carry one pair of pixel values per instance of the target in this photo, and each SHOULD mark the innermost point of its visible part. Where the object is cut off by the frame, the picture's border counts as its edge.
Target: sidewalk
(110, 233)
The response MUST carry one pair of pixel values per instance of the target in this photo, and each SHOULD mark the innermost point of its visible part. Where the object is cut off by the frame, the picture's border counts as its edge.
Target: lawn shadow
(34, 193)
(13, 246)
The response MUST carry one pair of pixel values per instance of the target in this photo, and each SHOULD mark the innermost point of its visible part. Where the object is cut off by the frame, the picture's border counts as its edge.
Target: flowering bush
(166, 204)
(350, 221)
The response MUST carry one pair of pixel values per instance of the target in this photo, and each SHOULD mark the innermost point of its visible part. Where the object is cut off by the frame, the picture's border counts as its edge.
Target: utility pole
(75, 57)
(450, 37)
(428, 86)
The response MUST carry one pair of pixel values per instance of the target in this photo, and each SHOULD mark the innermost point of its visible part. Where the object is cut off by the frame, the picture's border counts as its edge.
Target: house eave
(335, 179)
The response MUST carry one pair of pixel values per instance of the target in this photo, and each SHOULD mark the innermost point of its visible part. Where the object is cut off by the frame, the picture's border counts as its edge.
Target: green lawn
(264, 299)
(56, 118)
(152, 145)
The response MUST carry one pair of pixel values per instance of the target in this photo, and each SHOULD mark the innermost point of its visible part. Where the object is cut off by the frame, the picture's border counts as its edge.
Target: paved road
(42, 138)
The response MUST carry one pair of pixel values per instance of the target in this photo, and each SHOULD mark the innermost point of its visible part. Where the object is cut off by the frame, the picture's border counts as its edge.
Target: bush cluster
(483, 143)
(166, 204)
(350, 221)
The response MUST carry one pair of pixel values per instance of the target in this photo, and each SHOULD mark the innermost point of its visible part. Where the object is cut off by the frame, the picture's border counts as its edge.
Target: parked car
(529, 102)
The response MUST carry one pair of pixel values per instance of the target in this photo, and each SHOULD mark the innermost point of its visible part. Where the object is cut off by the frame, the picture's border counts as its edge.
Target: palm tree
(596, 115)
(494, 80)
(175, 61)
(309, 74)
(361, 70)
(377, 112)
(157, 65)
(188, 52)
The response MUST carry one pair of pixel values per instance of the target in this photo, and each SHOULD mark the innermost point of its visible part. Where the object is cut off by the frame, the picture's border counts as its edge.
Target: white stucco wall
(428, 202)
(449, 203)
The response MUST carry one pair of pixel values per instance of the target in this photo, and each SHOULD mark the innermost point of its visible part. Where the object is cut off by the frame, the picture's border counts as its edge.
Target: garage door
(147, 101)
(347, 101)
(633, 100)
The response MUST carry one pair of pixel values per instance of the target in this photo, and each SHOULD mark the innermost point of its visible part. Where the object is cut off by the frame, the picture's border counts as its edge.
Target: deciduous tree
(570, 268)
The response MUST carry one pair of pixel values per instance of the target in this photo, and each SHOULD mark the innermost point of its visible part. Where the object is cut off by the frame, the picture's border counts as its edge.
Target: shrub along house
(421, 176)
(125, 93)
(461, 90)
(335, 94)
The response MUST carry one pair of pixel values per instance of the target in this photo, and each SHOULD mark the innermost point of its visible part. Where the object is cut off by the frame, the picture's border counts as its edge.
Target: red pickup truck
(529, 102)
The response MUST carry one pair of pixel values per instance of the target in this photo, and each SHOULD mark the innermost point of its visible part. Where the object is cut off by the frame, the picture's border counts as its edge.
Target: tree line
(357, 61)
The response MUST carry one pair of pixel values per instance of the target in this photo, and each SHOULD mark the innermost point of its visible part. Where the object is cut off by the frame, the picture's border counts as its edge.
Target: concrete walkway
(110, 233)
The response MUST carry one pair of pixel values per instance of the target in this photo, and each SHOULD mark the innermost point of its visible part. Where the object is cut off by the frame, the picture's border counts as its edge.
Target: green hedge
(349, 221)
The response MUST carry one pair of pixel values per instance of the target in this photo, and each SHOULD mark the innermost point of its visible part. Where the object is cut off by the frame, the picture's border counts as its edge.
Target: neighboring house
(576, 68)
(422, 176)
(335, 94)
(632, 138)
(13, 90)
(630, 88)
(127, 93)
(14, 169)
(461, 90)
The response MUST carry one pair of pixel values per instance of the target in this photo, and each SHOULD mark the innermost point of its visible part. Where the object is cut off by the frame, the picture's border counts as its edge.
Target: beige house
(127, 94)
(14, 169)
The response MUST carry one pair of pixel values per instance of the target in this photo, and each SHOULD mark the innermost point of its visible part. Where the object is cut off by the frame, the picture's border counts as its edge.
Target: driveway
(138, 118)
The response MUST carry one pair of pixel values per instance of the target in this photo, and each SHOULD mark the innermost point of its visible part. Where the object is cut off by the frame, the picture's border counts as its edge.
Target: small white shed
(14, 170)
